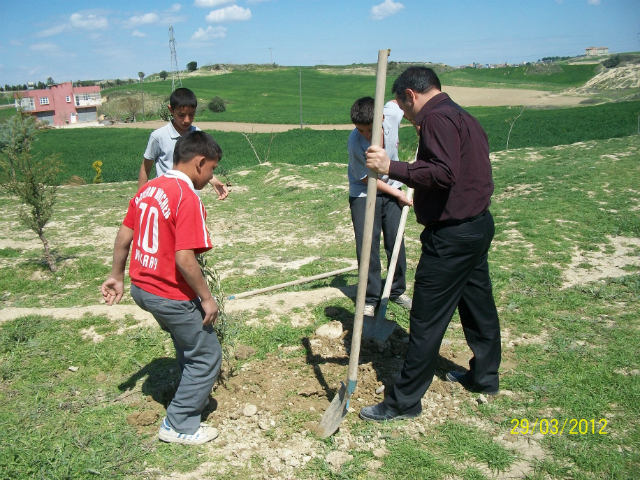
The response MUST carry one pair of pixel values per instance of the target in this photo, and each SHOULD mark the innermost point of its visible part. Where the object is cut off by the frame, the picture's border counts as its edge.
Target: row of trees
(191, 67)
(41, 85)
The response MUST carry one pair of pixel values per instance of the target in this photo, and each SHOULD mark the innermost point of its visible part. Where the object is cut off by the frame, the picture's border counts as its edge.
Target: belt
(451, 223)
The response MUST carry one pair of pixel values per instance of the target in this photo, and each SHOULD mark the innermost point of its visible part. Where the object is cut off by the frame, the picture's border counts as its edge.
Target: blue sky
(71, 39)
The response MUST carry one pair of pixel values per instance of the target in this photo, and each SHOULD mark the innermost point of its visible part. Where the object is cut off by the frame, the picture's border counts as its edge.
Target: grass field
(121, 149)
(274, 96)
(539, 77)
(6, 113)
(326, 96)
(565, 216)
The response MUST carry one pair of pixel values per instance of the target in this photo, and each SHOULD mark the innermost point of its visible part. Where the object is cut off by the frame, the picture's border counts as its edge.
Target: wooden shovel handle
(369, 217)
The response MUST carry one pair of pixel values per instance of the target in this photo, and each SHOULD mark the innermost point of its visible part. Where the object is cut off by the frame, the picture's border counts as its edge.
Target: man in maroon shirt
(453, 186)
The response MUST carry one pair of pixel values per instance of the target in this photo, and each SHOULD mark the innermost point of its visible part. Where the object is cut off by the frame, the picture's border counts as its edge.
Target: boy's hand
(404, 201)
(220, 188)
(210, 308)
(112, 290)
(378, 160)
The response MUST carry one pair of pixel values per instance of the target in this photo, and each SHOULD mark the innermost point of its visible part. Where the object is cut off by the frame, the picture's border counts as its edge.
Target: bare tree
(132, 106)
(266, 152)
(512, 124)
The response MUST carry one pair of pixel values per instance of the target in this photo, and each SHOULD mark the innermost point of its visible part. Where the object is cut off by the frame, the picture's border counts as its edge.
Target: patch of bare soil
(115, 312)
(597, 265)
(268, 408)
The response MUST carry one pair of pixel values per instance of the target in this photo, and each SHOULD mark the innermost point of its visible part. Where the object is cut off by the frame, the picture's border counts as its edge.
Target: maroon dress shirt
(452, 174)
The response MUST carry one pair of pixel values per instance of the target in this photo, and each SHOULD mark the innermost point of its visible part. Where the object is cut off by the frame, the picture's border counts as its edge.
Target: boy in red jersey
(166, 224)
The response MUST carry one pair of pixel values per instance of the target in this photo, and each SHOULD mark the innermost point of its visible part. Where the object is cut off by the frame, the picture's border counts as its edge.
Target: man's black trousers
(387, 220)
(452, 272)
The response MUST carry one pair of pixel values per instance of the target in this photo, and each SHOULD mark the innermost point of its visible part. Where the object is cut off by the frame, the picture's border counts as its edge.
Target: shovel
(381, 328)
(339, 407)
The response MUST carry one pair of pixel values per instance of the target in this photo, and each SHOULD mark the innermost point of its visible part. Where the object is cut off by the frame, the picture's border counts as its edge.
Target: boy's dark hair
(418, 79)
(183, 97)
(196, 143)
(362, 111)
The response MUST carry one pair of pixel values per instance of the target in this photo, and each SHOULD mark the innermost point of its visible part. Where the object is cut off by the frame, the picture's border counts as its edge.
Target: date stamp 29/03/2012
(553, 426)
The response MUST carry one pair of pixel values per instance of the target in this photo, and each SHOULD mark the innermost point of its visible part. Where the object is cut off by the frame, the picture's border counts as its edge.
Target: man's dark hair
(183, 97)
(362, 111)
(418, 79)
(196, 143)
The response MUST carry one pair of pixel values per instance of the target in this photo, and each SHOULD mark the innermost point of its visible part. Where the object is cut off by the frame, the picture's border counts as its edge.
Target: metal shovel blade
(337, 410)
(378, 328)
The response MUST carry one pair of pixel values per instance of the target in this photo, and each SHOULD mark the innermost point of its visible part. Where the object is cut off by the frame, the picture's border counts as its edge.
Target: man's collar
(181, 176)
(430, 105)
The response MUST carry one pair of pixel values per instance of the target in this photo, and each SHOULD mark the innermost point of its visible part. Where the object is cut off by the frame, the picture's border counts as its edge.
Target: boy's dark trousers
(452, 273)
(197, 349)
(387, 220)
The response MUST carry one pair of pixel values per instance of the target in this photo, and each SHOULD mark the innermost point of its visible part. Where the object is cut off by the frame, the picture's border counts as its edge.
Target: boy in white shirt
(389, 201)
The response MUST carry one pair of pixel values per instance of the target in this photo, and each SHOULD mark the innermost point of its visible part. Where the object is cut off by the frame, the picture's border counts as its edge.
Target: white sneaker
(204, 434)
(369, 310)
(404, 301)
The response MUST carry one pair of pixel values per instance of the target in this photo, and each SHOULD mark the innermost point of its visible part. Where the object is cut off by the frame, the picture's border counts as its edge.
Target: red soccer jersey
(166, 216)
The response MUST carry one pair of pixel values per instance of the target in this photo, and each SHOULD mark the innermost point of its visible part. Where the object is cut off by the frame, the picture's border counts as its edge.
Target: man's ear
(411, 95)
(170, 109)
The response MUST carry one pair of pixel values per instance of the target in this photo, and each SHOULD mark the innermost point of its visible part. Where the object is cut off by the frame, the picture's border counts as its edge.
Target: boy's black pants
(452, 273)
(387, 219)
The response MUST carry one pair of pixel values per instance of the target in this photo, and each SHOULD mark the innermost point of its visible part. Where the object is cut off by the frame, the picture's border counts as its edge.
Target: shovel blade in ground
(378, 328)
(337, 410)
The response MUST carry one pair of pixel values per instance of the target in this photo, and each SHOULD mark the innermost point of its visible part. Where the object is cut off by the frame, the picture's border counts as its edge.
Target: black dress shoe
(382, 413)
(461, 378)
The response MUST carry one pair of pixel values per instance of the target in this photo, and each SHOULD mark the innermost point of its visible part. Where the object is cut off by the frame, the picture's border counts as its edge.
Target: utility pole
(141, 75)
(300, 99)
(271, 54)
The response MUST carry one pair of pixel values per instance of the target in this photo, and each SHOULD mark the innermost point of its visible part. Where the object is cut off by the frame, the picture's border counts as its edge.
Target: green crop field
(274, 96)
(121, 149)
(327, 97)
(538, 77)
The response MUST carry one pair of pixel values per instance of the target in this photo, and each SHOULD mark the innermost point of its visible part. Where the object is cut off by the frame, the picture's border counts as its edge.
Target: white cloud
(254, 2)
(44, 47)
(146, 19)
(209, 33)
(88, 22)
(212, 3)
(174, 8)
(15, 43)
(137, 33)
(385, 9)
(593, 2)
(233, 13)
(52, 31)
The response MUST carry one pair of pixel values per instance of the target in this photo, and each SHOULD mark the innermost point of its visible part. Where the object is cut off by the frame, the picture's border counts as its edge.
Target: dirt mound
(618, 78)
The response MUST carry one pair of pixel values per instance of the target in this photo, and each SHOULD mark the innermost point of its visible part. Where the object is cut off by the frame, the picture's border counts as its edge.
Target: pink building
(61, 104)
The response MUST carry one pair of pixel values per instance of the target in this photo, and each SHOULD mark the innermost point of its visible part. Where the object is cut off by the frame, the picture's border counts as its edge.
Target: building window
(44, 101)
(26, 103)
(68, 98)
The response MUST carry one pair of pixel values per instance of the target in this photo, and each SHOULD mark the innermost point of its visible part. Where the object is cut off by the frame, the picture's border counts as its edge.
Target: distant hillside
(623, 73)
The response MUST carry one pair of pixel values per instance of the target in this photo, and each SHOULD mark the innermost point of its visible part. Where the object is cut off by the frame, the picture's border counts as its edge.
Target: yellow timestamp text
(553, 426)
